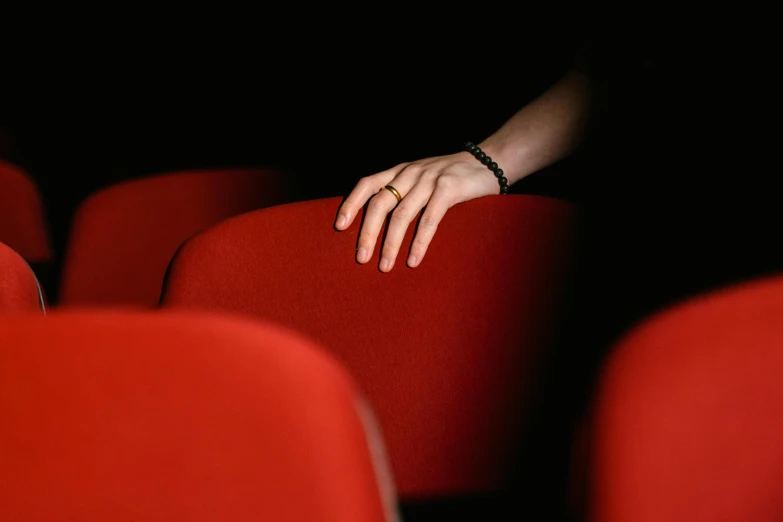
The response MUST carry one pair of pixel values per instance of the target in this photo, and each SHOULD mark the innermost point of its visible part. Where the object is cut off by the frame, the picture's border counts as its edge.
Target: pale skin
(543, 132)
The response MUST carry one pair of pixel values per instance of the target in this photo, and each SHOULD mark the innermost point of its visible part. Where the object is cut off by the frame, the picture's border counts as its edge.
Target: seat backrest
(23, 224)
(19, 288)
(153, 416)
(687, 424)
(446, 352)
(124, 236)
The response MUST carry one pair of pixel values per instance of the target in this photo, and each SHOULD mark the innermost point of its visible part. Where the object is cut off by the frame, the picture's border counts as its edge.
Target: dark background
(327, 106)
(677, 190)
(328, 101)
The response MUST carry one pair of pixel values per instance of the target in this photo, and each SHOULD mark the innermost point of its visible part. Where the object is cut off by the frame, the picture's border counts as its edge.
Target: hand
(432, 184)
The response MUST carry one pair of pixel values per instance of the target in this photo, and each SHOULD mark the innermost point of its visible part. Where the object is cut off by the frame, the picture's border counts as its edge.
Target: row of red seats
(123, 237)
(447, 353)
(685, 425)
(286, 264)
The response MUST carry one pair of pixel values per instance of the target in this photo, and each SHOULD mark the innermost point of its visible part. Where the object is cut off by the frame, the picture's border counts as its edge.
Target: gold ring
(394, 191)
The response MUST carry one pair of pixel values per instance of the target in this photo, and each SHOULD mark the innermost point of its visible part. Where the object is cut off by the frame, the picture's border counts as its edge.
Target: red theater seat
(447, 352)
(153, 416)
(123, 237)
(19, 288)
(23, 224)
(688, 422)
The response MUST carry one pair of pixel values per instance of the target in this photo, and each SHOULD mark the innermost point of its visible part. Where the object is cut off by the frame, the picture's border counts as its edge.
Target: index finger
(362, 192)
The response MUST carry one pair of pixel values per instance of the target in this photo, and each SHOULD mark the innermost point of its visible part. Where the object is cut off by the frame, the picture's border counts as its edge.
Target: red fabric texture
(23, 224)
(151, 416)
(123, 237)
(688, 423)
(446, 352)
(18, 285)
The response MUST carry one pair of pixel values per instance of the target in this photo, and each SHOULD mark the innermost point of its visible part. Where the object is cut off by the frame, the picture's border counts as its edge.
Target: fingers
(364, 190)
(377, 210)
(434, 185)
(402, 216)
(438, 205)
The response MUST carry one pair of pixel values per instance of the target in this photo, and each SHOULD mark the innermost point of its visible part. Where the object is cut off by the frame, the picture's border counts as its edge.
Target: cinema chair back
(23, 224)
(153, 416)
(19, 288)
(447, 353)
(687, 425)
(124, 236)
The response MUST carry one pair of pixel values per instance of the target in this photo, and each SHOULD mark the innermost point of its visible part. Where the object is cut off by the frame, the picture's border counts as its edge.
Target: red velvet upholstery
(19, 289)
(123, 237)
(447, 352)
(688, 424)
(23, 224)
(152, 416)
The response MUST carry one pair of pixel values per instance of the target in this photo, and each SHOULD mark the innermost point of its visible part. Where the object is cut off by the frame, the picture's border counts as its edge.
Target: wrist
(507, 157)
(491, 165)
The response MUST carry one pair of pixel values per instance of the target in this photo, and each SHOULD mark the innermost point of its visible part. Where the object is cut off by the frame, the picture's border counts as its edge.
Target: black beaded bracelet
(491, 165)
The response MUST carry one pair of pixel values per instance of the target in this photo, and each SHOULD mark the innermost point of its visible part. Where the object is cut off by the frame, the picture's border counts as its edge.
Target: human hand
(433, 184)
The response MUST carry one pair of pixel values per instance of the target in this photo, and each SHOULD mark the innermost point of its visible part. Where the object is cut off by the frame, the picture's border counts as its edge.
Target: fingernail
(385, 264)
(341, 221)
(412, 261)
(362, 255)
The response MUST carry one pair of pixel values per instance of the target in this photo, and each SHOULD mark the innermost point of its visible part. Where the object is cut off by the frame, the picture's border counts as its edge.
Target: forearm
(545, 131)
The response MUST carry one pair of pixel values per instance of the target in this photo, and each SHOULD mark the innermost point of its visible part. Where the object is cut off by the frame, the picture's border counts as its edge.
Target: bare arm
(545, 131)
